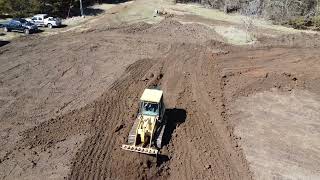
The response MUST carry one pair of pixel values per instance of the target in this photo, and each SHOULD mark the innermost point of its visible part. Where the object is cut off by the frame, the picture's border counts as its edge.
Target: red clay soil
(200, 78)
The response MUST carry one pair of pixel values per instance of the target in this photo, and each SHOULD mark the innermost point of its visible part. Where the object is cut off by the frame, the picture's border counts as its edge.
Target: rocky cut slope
(277, 10)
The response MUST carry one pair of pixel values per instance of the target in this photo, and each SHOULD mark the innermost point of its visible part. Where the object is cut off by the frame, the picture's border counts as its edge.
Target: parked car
(46, 21)
(20, 25)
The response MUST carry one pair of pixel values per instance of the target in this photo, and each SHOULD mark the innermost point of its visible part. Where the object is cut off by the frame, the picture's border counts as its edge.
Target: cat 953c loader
(148, 129)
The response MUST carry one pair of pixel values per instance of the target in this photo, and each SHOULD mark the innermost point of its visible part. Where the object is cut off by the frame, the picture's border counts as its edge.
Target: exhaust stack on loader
(146, 133)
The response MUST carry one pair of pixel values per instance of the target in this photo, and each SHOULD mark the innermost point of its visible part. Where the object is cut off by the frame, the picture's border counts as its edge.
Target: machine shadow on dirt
(93, 11)
(175, 117)
(2, 43)
(96, 11)
(62, 26)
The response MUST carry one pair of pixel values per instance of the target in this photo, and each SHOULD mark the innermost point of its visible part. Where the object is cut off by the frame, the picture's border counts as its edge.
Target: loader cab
(151, 103)
(150, 109)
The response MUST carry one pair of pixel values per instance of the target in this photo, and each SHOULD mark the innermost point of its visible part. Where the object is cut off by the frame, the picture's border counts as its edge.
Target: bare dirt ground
(68, 100)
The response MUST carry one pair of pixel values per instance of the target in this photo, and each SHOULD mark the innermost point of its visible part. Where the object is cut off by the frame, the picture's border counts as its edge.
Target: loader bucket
(139, 149)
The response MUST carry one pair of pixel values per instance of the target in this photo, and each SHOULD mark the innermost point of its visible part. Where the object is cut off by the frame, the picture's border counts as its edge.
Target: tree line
(60, 8)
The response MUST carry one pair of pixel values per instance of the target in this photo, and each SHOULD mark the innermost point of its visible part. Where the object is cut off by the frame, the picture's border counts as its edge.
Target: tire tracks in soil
(104, 144)
(201, 147)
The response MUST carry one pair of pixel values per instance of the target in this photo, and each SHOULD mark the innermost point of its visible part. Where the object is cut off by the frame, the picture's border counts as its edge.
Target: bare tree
(318, 7)
(247, 22)
(252, 10)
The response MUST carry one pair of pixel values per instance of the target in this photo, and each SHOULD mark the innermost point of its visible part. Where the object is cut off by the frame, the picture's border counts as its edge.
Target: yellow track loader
(147, 131)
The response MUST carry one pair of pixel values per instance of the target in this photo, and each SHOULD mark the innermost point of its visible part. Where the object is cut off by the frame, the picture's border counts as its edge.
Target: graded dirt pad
(273, 104)
(290, 148)
(68, 102)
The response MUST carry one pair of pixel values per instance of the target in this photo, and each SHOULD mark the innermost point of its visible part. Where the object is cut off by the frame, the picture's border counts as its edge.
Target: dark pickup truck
(20, 25)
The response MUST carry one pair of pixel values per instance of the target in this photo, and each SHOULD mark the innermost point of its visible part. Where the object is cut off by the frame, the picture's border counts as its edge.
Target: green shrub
(316, 21)
(299, 23)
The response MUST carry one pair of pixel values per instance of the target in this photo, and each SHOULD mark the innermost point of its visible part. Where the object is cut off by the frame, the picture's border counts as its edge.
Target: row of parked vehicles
(31, 25)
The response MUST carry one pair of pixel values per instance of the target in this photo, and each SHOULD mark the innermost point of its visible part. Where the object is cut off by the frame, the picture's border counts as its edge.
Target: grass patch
(299, 23)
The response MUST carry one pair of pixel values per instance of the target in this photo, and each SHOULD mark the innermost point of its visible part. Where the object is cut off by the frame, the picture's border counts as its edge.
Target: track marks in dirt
(265, 75)
(101, 156)
(199, 143)
(56, 130)
(201, 147)
(196, 149)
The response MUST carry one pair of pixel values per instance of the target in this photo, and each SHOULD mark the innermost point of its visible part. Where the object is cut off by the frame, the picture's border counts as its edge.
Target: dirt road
(69, 100)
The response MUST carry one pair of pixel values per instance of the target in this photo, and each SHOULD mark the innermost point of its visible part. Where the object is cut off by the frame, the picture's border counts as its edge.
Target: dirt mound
(300, 40)
(136, 27)
(258, 80)
(187, 32)
(166, 26)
